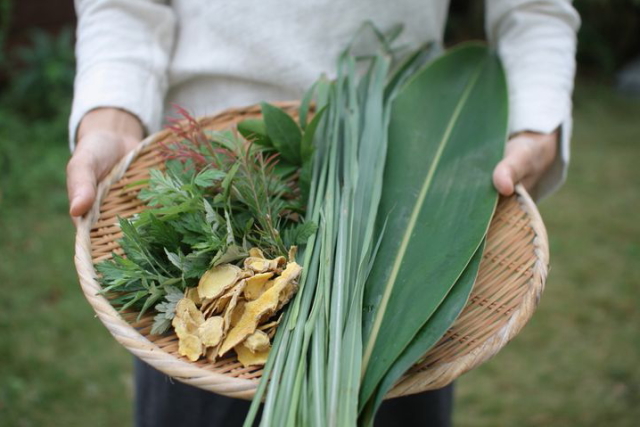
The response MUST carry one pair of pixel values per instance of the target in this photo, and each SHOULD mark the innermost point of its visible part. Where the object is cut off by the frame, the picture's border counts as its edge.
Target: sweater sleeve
(122, 53)
(536, 40)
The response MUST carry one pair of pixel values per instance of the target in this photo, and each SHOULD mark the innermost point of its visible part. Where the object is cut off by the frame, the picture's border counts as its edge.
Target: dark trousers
(163, 402)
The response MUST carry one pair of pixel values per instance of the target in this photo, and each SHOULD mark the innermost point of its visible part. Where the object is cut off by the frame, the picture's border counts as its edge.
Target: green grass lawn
(60, 366)
(575, 364)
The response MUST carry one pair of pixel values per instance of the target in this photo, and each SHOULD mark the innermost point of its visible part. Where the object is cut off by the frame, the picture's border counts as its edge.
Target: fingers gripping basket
(510, 282)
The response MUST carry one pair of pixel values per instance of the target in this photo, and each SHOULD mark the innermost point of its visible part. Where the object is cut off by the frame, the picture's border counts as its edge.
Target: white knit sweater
(207, 55)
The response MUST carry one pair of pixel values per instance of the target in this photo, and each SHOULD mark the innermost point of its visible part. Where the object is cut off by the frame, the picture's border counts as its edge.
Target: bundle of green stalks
(401, 193)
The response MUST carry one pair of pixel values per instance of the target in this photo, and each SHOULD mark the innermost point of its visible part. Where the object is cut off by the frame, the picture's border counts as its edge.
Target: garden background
(575, 364)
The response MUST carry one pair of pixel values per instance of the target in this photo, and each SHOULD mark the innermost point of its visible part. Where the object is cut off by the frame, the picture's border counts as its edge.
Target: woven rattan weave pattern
(506, 292)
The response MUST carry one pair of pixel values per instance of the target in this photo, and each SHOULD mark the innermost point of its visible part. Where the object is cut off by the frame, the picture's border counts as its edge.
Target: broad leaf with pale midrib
(447, 133)
(428, 336)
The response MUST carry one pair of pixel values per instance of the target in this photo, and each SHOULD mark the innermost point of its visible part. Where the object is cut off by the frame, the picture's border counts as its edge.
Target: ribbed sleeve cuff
(117, 85)
(557, 173)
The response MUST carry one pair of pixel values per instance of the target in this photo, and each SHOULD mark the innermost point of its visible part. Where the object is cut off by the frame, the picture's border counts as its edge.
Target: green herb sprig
(219, 194)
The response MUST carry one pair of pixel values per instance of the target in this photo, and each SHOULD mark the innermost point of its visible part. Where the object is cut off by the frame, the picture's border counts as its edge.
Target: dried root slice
(216, 306)
(262, 265)
(260, 309)
(207, 307)
(187, 310)
(192, 294)
(287, 293)
(233, 303)
(230, 308)
(257, 342)
(270, 328)
(190, 346)
(184, 327)
(211, 331)
(256, 253)
(293, 251)
(256, 285)
(269, 325)
(186, 323)
(249, 358)
(217, 280)
(211, 353)
(236, 315)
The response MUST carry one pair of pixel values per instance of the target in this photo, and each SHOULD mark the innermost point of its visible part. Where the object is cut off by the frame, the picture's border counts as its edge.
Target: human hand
(104, 136)
(528, 156)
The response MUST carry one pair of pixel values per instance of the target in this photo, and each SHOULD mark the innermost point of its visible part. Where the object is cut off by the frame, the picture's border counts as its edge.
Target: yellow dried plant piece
(256, 253)
(269, 325)
(217, 280)
(187, 310)
(261, 308)
(211, 353)
(217, 306)
(261, 265)
(211, 331)
(186, 323)
(257, 342)
(287, 293)
(255, 285)
(293, 250)
(192, 294)
(207, 307)
(231, 307)
(190, 346)
(237, 312)
(184, 327)
(249, 358)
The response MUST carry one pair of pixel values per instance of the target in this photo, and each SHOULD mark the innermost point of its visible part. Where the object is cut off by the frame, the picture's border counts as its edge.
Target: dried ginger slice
(269, 325)
(257, 342)
(256, 253)
(192, 294)
(260, 308)
(255, 285)
(190, 346)
(236, 315)
(263, 265)
(249, 358)
(217, 280)
(211, 331)
(270, 328)
(228, 313)
(184, 327)
(218, 305)
(287, 293)
(186, 322)
(207, 306)
(293, 251)
(187, 310)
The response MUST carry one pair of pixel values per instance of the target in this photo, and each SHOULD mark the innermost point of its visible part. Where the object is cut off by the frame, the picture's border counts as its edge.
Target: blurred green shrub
(608, 39)
(610, 34)
(41, 74)
(5, 12)
(34, 108)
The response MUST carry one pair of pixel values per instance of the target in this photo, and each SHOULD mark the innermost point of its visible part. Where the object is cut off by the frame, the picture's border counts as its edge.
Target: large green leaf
(447, 132)
(429, 334)
(283, 132)
(255, 130)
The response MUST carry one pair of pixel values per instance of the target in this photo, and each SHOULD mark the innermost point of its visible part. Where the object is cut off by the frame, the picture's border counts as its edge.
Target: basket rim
(120, 329)
(445, 373)
(140, 346)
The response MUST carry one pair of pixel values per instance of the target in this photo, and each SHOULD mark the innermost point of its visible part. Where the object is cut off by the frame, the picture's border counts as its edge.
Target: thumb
(81, 183)
(511, 170)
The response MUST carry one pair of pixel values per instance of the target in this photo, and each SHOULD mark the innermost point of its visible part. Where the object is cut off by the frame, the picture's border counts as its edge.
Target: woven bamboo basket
(510, 281)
